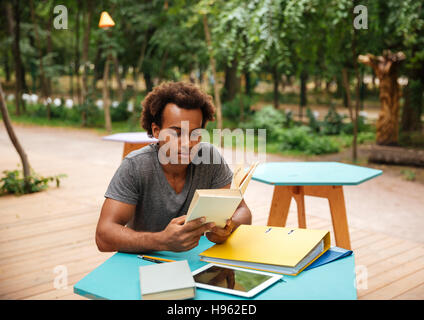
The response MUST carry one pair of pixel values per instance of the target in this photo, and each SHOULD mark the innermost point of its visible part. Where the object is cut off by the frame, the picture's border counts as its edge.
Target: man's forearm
(116, 237)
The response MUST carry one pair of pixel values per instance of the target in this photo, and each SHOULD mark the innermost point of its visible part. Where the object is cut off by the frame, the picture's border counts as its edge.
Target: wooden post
(281, 203)
(280, 206)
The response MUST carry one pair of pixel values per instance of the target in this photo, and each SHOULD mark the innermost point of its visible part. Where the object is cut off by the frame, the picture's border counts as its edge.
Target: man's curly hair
(184, 95)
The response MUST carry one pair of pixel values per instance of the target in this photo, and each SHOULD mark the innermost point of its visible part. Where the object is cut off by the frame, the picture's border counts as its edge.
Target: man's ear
(155, 130)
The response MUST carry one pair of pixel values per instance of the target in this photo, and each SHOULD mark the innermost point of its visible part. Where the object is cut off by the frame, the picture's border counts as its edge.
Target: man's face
(179, 133)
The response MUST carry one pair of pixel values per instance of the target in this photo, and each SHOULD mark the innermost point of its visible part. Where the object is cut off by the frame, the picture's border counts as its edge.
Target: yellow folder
(275, 249)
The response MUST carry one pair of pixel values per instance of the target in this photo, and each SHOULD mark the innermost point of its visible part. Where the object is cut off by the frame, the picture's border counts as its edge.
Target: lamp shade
(106, 20)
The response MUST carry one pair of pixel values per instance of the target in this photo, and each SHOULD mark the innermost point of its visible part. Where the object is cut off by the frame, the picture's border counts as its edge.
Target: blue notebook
(330, 255)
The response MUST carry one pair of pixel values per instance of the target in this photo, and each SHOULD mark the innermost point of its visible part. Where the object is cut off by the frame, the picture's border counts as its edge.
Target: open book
(218, 205)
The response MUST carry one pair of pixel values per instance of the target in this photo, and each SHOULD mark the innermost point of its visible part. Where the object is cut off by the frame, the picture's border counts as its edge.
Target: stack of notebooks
(283, 250)
(218, 205)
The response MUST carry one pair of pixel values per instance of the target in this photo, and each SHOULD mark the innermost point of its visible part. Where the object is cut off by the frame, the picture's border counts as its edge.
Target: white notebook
(167, 281)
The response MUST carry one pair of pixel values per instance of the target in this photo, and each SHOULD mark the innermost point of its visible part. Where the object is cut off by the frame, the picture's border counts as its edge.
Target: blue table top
(131, 137)
(118, 278)
(312, 173)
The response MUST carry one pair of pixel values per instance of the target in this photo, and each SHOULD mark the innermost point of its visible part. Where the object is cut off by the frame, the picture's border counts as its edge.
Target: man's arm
(242, 215)
(113, 235)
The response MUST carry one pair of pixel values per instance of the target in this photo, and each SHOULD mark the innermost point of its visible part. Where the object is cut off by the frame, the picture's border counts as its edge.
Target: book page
(237, 176)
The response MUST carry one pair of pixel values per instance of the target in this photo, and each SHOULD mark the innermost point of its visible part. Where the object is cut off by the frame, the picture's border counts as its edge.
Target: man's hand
(179, 237)
(219, 235)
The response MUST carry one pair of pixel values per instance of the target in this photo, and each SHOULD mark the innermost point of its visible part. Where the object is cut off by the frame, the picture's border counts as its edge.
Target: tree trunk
(140, 62)
(357, 100)
(6, 66)
(303, 93)
(85, 47)
(231, 82)
(397, 156)
(22, 154)
(106, 100)
(14, 31)
(345, 83)
(148, 81)
(118, 79)
(248, 84)
(43, 83)
(385, 68)
(97, 67)
(276, 82)
(49, 50)
(77, 51)
(213, 67)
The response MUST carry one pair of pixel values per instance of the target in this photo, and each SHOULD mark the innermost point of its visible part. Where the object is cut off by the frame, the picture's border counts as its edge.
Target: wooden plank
(38, 217)
(395, 282)
(46, 241)
(397, 288)
(416, 293)
(50, 261)
(386, 254)
(369, 240)
(45, 253)
(45, 281)
(25, 232)
(358, 234)
(395, 261)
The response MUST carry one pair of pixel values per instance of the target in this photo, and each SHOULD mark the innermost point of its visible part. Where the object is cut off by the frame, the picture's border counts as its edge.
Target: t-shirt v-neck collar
(164, 181)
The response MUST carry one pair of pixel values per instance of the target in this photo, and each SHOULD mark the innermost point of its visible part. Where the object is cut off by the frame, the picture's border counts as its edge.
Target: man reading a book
(149, 195)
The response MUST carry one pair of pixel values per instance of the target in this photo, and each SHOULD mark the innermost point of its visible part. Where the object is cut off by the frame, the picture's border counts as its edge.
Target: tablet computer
(233, 280)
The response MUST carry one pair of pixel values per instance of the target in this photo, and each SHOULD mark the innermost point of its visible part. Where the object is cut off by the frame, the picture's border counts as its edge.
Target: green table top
(312, 173)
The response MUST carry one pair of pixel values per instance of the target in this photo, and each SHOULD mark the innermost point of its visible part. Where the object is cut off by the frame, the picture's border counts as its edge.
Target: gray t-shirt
(140, 181)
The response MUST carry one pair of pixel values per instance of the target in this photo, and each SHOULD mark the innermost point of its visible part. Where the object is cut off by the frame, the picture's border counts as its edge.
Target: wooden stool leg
(280, 205)
(299, 196)
(338, 215)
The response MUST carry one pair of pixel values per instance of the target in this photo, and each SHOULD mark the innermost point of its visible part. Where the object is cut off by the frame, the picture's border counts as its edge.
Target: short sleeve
(221, 173)
(123, 186)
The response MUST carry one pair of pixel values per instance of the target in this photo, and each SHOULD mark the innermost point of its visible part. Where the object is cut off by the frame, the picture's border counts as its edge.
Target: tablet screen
(230, 278)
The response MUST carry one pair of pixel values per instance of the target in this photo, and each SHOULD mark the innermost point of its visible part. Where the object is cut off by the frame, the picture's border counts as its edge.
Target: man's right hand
(178, 236)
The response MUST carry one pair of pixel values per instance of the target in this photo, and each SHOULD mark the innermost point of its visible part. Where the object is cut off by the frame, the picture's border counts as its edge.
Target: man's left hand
(219, 235)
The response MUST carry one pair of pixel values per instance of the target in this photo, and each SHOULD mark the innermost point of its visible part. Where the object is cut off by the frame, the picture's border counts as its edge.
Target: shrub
(231, 109)
(270, 119)
(302, 139)
(333, 122)
(314, 124)
(120, 113)
(13, 182)
(362, 126)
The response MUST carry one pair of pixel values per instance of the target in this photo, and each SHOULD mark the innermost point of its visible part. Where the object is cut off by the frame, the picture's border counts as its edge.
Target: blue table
(319, 179)
(118, 278)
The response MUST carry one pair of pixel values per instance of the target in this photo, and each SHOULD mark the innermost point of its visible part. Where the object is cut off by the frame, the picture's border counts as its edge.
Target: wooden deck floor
(35, 247)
